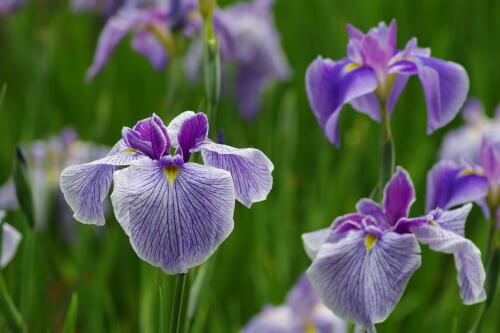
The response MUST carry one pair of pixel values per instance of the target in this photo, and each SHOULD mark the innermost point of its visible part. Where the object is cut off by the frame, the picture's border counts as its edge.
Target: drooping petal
(10, 240)
(175, 217)
(449, 185)
(330, 85)
(148, 45)
(397, 88)
(368, 104)
(399, 195)
(363, 284)
(86, 186)
(250, 168)
(314, 239)
(249, 87)
(471, 274)
(445, 86)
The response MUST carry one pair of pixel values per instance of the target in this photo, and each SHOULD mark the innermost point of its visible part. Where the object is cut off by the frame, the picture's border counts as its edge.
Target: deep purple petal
(360, 284)
(399, 195)
(159, 139)
(449, 185)
(347, 222)
(471, 274)
(175, 126)
(136, 141)
(10, 241)
(370, 207)
(330, 85)
(192, 132)
(445, 87)
(250, 168)
(148, 45)
(86, 186)
(175, 218)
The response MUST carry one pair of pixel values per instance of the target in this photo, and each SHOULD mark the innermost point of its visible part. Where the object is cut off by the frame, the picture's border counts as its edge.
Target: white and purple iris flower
(151, 23)
(465, 142)
(374, 74)
(10, 241)
(175, 212)
(362, 263)
(301, 312)
(450, 183)
(249, 42)
(10, 6)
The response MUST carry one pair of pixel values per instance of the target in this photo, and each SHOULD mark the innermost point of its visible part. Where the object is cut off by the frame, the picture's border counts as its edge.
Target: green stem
(387, 154)
(175, 318)
(12, 315)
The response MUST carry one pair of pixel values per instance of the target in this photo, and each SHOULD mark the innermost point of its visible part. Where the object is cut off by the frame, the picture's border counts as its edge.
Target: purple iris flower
(152, 25)
(175, 212)
(248, 39)
(363, 261)
(450, 183)
(301, 312)
(374, 74)
(465, 142)
(104, 7)
(10, 240)
(10, 6)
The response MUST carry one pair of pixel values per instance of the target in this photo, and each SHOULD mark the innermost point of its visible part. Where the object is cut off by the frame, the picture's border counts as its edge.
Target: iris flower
(151, 25)
(104, 7)
(301, 312)
(465, 142)
(175, 212)
(250, 42)
(450, 183)
(10, 6)
(10, 240)
(373, 75)
(363, 261)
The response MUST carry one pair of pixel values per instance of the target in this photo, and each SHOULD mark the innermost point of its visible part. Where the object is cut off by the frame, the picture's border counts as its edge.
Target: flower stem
(387, 154)
(9, 310)
(175, 318)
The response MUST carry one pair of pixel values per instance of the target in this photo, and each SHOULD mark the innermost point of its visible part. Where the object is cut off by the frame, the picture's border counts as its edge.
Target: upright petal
(302, 299)
(10, 241)
(192, 132)
(250, 168)
(441, 236)
(175, 218)
(86, 186)
(399, 195)
(449, 185)
(330, 85)
(361, 284)
(445, 85)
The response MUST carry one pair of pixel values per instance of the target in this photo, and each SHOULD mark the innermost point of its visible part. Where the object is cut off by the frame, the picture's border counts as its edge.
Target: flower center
(370, 241)
(171, 171)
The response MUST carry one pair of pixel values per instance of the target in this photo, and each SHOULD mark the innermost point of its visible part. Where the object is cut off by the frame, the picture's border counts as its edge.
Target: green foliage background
(44, 53)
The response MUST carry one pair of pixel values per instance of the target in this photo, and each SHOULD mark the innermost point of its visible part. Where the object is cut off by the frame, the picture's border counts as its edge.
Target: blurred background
(45, 50)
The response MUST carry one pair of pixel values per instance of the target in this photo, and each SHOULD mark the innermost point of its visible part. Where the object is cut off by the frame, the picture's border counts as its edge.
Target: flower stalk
(12, 315)
(387, 154)
(175, 318)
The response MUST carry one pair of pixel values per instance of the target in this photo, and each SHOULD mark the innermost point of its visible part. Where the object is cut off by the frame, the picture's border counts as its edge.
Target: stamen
(433, 223)
(370, 241)
(130, 150)
(171, 171)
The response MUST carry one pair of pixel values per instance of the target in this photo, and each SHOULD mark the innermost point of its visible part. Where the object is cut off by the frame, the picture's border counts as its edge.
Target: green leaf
(70, 323)
(23, 187)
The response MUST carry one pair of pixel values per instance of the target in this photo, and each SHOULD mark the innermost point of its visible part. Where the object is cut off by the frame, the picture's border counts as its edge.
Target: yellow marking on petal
(205, 141)
(433, 223)
(130, 150)
(350, 67)
(370, 241)
(409, 58)
(471, 172)
(309, 327)
(171, 171)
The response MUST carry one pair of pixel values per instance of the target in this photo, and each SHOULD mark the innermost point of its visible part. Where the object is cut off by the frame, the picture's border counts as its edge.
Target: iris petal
(10, 241)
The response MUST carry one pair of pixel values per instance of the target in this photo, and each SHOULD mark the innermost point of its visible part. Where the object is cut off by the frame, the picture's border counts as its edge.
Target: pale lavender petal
(175, 219)
(325, 321)
(86, 186)
(399, 195)
(279, 319)
(148, 45)
(368, 104)
(473, 111)
(445, 86)
(8, 199)
(449, 184)
(361, 285)
(302, 299)
(471, 274)
(490, 159)
(10, 6)
(330, 86)
(314, 239)
(10, 241)
(370, 207)
(249, 87)
(397, 88)
(250, 168)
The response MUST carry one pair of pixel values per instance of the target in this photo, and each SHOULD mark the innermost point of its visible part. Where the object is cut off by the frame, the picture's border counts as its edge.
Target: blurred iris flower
(104, 7)
(373, 75)
(10, 240)
(152, 24)
(46, 159)
(363, 261)
(301, 312)
(465, 142)
(176, 212)
(249, 42)
(10, 6)
(450, 183)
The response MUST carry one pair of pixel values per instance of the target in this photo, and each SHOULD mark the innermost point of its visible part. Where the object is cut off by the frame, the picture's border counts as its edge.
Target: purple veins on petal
(250, 168)
(174, 225)
(399, 195)
(192, 133)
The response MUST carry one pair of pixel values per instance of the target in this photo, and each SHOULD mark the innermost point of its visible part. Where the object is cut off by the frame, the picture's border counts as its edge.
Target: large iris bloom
(249, 40)
(301, 312)
(374, 73)
(10, 241)
(152, 26)
(362, 263)
(176, 212)
(450, 183)
(465, 142)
